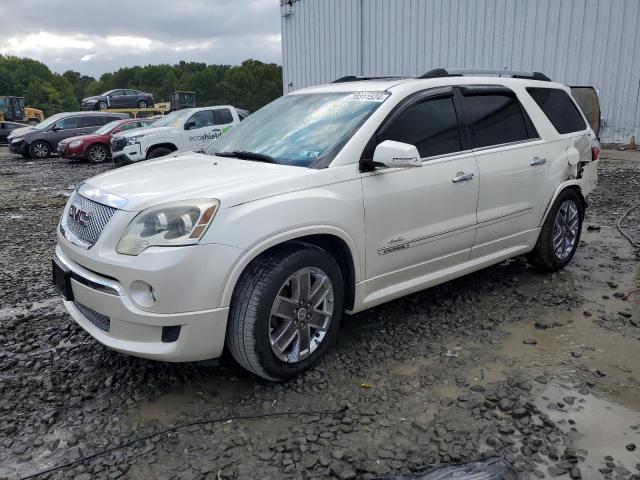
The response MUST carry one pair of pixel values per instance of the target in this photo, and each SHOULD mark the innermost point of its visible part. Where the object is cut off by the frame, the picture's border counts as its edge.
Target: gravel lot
(543, 369)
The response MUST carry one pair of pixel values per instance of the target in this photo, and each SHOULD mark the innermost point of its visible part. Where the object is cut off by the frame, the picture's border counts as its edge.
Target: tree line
(250, 85)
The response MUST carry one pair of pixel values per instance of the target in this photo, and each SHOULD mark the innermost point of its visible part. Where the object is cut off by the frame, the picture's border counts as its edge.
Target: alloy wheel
(301, 314)
(565, 229)
(40, 150)
(97, 154)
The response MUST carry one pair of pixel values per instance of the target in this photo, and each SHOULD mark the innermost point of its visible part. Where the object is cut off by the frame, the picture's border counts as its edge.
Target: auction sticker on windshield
(367, 97)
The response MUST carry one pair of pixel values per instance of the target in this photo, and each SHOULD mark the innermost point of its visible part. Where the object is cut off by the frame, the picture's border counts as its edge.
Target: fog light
(142, 293)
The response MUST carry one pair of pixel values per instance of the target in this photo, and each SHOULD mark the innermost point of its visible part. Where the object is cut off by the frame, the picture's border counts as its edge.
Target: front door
(200, 130)
(420, 220)
(513, 163)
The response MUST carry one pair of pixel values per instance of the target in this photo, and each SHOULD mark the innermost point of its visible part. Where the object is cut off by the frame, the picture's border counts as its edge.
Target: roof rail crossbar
(354, 78)
(457, 72)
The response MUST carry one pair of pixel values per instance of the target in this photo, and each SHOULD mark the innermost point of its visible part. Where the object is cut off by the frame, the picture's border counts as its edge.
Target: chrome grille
(85, 228)
(118, 144)
(98, 319)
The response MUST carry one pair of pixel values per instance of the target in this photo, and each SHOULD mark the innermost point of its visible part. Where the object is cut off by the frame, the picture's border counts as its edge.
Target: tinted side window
(203, 118)
(430, 125)
(69, 122)
(222, 116)
(559, 109)
(496, 119)
(109, 119)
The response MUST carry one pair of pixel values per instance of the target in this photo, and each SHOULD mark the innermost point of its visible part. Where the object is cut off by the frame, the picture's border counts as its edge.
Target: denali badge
(81, 216)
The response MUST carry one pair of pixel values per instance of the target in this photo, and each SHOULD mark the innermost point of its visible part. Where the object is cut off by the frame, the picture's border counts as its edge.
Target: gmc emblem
(81, 216)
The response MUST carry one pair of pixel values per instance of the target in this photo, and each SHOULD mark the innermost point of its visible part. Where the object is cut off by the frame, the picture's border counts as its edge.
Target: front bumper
(104, 306)
(18, 147)
(71, 153)
(128, 155)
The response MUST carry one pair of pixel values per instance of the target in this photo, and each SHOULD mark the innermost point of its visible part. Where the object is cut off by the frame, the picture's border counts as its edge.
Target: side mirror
(56, 128)
(397, 155)
(190, 125)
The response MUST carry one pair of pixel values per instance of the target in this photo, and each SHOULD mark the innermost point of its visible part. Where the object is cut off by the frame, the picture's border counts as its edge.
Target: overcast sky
(98, 36)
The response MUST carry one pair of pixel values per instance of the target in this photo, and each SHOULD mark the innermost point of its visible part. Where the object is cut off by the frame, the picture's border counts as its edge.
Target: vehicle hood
(150, 130)
(20, 132)
(188, 176)
(87, 136)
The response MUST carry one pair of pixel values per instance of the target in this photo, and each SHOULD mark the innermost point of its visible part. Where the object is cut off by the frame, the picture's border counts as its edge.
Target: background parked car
(121, 98)
(6, 128)
(42, 139)
(94, 147)
(183, 130)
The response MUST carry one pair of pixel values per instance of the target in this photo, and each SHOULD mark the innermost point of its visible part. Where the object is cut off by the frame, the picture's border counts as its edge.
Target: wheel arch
(40, 140)
(568, 185)
(331, 239)
(155, 146)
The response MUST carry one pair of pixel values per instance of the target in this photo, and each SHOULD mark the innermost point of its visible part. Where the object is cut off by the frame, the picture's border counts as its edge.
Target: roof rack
(354, 78)
(458, 72)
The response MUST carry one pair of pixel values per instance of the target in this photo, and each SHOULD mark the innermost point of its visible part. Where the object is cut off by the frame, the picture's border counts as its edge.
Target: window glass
(222, 116)
(131, 92)
(307, 129)
(431, 125)
(559, 109)
(130, 125)
(67, 123)
(91, 121)
(496, 119)
(203, 118)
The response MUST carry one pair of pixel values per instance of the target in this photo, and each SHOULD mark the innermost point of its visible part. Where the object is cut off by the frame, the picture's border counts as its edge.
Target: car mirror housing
(397, 155)
(189, 125)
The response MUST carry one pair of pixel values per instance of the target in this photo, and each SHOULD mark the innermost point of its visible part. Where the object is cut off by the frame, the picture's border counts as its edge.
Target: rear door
(512, 161)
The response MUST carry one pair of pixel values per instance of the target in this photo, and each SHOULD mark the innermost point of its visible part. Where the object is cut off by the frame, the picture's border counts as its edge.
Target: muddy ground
(543, 369)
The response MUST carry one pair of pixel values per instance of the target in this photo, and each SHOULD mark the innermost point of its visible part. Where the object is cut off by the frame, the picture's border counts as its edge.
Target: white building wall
(577, 42)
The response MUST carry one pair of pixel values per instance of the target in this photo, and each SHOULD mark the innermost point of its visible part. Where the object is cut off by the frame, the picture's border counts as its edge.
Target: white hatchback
(330, 199)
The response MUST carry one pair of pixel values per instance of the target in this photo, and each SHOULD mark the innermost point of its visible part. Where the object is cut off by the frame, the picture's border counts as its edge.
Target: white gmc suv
(188, 129)
(330, 199)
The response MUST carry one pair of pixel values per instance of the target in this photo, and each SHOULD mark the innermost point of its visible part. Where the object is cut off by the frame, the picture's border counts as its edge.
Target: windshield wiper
(244, 155)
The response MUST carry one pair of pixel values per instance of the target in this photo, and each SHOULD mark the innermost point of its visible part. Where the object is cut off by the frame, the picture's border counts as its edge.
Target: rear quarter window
(559, 109)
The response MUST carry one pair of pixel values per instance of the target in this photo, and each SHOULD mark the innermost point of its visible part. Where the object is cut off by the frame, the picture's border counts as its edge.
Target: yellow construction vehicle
(12, 109)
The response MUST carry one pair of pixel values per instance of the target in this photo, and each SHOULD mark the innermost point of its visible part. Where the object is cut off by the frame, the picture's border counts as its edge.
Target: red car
(94, 147)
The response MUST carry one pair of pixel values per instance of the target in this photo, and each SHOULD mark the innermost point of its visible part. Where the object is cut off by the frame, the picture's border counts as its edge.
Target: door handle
(538, 161)
(462, 177)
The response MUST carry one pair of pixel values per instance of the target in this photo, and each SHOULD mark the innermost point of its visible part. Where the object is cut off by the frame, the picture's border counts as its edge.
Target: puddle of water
(578, 340)
(604, 428)
(167, 408)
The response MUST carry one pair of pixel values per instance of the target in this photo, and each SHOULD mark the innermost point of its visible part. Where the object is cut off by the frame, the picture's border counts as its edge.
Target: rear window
(559, 109)
(496, 119)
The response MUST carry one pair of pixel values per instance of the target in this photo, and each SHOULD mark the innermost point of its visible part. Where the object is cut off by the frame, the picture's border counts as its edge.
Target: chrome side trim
(508, 144)
(506, 216)
(418, 241)
(90, 279)
(100, 196)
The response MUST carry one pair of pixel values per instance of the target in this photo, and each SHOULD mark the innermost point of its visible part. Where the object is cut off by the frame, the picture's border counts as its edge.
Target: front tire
(158, 152)
(560, 234)
(97, 153)
(285, 312)
(39, 150)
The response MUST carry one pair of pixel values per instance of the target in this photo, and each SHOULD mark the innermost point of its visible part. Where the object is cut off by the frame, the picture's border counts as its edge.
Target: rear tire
(560, 234)
(280, 346)
(97, 153)
(39, 150)
(158, 152)
(142, 104)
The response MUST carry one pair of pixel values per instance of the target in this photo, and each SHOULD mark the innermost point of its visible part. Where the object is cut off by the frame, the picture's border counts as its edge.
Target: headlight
(17, 139)
(75, 143)
(168, 225)
(133, 140)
